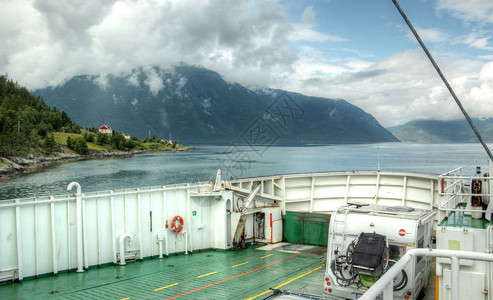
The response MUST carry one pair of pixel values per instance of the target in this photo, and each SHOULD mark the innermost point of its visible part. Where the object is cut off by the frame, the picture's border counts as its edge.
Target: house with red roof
(106, 129)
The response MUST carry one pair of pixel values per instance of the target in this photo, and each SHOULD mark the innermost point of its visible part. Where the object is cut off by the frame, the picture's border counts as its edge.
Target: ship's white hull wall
(325, 192)
(39, 235)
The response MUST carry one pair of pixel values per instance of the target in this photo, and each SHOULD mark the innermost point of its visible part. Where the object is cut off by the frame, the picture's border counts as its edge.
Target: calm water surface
(202, 164)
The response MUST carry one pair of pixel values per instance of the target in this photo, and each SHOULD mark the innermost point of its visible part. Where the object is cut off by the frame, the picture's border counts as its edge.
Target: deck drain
(118, 277)
(53, 292)
(171, 266)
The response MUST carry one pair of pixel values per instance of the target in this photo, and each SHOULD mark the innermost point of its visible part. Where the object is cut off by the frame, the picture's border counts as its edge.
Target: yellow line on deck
(284, 283)
(206, 274)
(125, 298)
(239, 264)
(267, 256)
(165, 287)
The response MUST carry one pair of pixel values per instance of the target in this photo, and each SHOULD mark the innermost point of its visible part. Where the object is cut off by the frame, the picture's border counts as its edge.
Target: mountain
(196, 105)
(435, 131)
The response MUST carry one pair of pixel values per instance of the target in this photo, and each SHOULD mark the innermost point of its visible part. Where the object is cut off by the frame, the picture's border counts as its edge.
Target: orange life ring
(179, 227)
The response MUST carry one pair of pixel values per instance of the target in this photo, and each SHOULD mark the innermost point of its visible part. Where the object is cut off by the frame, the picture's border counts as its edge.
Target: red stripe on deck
(227, 279)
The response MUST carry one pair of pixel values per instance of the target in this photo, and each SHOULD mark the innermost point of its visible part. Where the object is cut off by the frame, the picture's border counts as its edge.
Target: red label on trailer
(402, 232)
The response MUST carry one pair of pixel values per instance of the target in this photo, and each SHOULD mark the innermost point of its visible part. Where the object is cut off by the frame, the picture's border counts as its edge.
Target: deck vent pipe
(123, 237)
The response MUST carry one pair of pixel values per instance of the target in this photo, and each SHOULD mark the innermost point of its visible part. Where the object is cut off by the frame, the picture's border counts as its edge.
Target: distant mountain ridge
(196, 105)
(436, 131)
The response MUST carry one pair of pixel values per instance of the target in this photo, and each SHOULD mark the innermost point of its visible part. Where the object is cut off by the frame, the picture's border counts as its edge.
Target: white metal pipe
(98, 222)
(489, 250)
(53, 238)
(139, 225)
(113, 237)
(346, 192)
(152, 223)
(165, 230)
(20, 266)
(189, 214)
(90, 196)
(124, 213)
(312, 187)
(185, 233)
(455, 277)
(439, 270)
(160, 243)
(36, 239)
(388, 292)
(389, 276)
(430, 216)
(84, 234)
(161, 238)
(69, 252)
(377, 187)
(458, 169)
(166, 242)
(76, 185)
(489, 230)
(463, 177)
(78, 221)
(465, 194)
(404, 189)
(175, 188)
(123, 237)
(34, 202)
(250, 197)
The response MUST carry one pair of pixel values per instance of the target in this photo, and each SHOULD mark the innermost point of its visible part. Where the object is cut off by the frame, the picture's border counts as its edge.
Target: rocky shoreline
(14, 165)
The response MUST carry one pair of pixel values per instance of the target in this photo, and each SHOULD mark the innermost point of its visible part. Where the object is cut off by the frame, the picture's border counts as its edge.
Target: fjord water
(240, 161)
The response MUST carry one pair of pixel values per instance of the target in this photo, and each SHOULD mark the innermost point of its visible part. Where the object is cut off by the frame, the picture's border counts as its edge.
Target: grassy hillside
(26, 121)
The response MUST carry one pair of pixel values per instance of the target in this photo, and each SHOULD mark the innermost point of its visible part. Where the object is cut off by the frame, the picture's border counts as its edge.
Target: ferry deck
(244, 274)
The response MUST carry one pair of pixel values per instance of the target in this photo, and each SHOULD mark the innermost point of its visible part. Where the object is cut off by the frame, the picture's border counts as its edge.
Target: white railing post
(388, 292)
(78, 221)
(20, 265)
(455, 277)
(387, 279)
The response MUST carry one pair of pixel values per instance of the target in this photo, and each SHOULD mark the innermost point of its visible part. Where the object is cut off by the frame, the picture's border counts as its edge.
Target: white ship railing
(326, 192)
(42, 235)
(74, 231)
(385, 283)
(455, 194)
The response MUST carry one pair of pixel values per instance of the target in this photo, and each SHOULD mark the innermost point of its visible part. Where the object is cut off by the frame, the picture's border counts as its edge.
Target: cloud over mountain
(313, 48)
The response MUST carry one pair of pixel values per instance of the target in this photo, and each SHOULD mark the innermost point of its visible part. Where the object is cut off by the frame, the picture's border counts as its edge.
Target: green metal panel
(306, 228)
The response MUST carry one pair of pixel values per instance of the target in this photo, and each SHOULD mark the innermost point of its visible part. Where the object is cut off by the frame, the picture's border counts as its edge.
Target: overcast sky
(357, 50)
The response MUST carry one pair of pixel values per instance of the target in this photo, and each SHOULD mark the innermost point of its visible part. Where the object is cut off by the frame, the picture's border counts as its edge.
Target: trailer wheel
(400, 281)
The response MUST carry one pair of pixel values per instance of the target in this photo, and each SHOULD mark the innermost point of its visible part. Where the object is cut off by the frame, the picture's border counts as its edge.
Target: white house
(106, 129)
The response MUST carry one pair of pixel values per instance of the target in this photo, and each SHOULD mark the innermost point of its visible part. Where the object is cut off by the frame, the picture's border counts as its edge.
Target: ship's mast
(469, 120)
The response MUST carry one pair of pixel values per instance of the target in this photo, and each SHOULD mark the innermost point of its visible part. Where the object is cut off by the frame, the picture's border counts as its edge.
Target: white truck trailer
(366, 240)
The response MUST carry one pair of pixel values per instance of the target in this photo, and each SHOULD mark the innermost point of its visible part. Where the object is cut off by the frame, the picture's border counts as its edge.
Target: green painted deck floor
(201, 275)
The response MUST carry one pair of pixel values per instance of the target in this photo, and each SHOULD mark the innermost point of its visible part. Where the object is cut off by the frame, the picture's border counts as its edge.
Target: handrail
(458, 169)
(454, 192)
(91, 195)
(384, 283)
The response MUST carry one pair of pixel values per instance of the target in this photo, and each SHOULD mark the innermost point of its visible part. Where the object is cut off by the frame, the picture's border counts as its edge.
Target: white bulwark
(49, 234)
